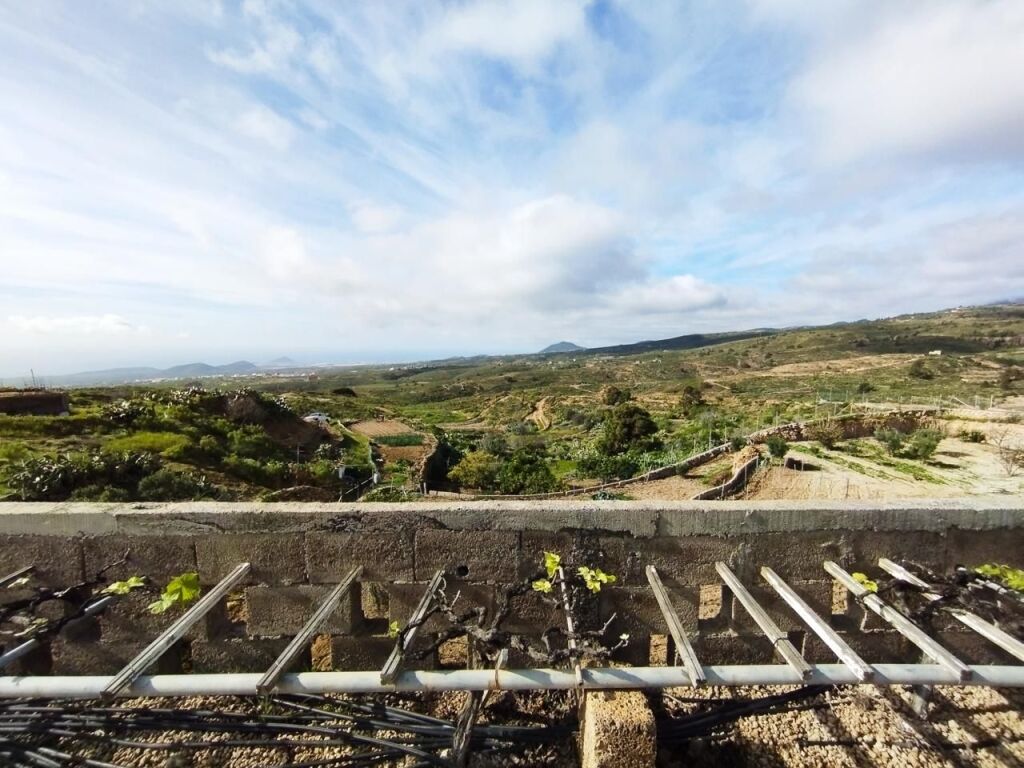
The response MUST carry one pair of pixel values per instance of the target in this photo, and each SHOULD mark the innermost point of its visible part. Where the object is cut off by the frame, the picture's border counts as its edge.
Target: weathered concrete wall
(34, 401)
(298, 550)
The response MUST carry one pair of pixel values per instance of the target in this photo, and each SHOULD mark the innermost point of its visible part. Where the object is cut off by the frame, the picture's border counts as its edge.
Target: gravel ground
(864, 726)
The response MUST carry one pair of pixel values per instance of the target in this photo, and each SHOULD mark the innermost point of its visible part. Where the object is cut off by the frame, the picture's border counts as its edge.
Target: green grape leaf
(393, 630)
(551, 563)
(864, 581)
(542, 585)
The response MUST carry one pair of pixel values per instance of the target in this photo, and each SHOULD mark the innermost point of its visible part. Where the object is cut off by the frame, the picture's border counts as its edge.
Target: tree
(892, 439)
(612, 395)
(628, 426)
(777, 446)
(692, 399)
(923, 443)
(526, 472)
(478, 469)
(494, 443)
(864, 387)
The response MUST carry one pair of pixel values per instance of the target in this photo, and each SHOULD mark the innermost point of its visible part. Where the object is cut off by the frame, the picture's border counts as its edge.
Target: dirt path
(539, 416)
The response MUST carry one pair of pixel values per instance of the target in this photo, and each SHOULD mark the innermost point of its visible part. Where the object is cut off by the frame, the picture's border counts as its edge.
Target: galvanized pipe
(595, 678)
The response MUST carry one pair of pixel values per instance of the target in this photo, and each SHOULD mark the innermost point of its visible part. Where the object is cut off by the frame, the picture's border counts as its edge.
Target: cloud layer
(397, 180)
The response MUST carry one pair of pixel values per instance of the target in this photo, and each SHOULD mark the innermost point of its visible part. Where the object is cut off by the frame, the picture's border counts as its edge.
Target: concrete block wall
(298, 551)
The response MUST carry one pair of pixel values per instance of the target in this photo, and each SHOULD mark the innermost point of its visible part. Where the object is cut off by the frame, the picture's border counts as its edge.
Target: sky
(383, 181)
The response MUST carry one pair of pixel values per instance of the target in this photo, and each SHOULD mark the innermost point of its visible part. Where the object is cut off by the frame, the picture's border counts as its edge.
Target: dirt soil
(958, 469)
(375, 428)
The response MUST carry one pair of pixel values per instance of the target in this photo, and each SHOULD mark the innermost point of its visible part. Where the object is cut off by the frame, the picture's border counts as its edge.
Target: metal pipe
(819, 626)
(902, 624)
(986, 629)
(32, 643)
(173, 633)
(305, 635)
(406, 637)
(684, 649)
(595, 678)
(780, 641)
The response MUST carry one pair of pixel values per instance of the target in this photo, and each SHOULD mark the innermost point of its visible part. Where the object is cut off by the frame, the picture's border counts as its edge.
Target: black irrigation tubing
(704, 723)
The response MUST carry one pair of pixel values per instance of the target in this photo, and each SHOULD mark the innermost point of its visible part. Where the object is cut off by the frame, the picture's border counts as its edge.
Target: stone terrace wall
(298, 551)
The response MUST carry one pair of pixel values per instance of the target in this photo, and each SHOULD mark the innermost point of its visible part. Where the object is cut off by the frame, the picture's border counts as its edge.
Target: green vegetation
(613, 414)
(777, 446)
(1012, 578)
(179, 592)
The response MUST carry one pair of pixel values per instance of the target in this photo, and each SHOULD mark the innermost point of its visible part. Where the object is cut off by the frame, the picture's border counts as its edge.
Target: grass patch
(148, 442)
(395, 441)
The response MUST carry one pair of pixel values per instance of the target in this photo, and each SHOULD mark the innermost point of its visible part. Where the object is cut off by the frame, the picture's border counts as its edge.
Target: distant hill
(561, 346)
(127, 375)
(690, 341)
(280, 362)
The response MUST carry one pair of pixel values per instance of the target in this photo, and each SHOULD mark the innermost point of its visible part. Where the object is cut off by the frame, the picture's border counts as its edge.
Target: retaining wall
(298, 551)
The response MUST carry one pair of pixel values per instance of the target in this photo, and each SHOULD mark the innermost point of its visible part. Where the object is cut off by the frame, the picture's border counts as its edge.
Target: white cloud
(374, 219)
(264, 124)
(923, 77)
(87, 325)
(522, 31)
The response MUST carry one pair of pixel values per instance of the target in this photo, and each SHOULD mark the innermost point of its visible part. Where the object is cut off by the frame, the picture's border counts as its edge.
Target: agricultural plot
(381, 428)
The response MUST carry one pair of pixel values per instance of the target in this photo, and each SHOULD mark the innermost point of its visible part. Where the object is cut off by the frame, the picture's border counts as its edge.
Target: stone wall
(298, 551)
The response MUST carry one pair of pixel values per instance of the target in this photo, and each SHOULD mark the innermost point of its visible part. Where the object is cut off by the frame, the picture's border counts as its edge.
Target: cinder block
(580, 547)
(470, 555)
(637, 611)
(730, 648)
(974, 548)
(276, 558)
(161, 558)
(688, 560)
(618, 730)
(925, 547)
(277, 611)
(972, 648)
(242, 655)
(532, 614)
(375, 600)
(57, 559)
(883, 647)
(799, 556)
(817, 594)
(361, 653)
(102, 658)
(404, 598)
(128, 620)
(384, 556)
(714, 613)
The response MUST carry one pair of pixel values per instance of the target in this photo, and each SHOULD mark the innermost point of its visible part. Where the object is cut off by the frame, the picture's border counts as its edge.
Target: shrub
(608, 468)
(477, 469)
(168, 485)
(919, 370)
(923, 443)
(628, 426)
(526, 472)
(736, 442)
(493, 443)
(251, 442)
(892, 440)
(777, 446)
(612, 395)
(971, 435)
(55, 478)
(125, 413)
(828, 433)
(864, 387)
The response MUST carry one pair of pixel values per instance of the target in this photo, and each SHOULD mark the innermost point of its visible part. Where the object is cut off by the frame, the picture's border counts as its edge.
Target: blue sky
(355, 181)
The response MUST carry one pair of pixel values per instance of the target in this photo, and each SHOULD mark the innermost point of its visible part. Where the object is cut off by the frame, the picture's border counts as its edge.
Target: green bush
(628, 426)
(168, 485)
(55, 478)
(272, 474)
(777, 446)
(923, 444)
(526, 472)
(919, 370)
(477, 469)
(971, 435)
(828, 433)
(251, 442)
(892, 440)
(607, 468)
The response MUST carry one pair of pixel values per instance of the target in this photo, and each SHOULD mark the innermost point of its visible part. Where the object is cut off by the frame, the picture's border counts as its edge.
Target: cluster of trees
(920, 444)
